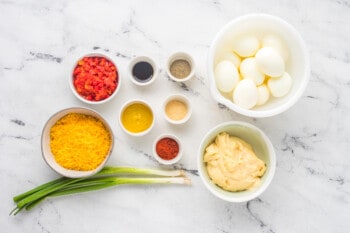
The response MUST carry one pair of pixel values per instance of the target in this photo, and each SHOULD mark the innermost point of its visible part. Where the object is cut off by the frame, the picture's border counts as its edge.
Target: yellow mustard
(137, 118)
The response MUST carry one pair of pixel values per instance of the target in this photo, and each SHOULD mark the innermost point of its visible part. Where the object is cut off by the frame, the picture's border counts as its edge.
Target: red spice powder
(95, 78)
(167, 148)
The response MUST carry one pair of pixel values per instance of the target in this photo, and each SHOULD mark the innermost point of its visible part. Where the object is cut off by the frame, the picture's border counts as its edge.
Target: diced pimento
(95, 78)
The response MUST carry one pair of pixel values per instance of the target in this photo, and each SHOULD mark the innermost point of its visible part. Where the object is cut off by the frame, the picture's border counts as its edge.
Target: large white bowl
(45, 143)
(262, 148)
(297, 65)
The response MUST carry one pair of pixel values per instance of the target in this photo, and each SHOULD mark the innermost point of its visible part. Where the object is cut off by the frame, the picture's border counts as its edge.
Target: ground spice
(180, 68)
(79, 142)
(176, 110)
(167, 148)
(95, 78)
(137, 118)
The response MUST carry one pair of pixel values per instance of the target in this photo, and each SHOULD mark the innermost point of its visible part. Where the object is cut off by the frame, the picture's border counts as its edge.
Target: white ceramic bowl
(164, 161)
(180, 56)
(45, 143)
(182, 99)
(297, 65)
(147, 59)
(262, 148)
(127, 104)
(71, 78)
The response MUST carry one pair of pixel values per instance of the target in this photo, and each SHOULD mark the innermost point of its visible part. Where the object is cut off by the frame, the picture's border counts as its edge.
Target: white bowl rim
(73, 173)
(171, 161)
(183, 99)
(263, 186)
(71, 85)
(248, 112)
(143, 58)
(134, 101)
(180, 55)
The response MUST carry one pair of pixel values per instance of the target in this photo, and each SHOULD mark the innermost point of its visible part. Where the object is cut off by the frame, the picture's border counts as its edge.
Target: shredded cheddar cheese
(79, 142)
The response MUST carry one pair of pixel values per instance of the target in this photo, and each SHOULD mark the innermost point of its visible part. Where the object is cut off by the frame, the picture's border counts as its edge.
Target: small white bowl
(180, 56)
(183, 99)
(71, 78)
(262, 148)
(164, 161)
(148, 60)
(127, 104)
(297, 65)
(45, 143)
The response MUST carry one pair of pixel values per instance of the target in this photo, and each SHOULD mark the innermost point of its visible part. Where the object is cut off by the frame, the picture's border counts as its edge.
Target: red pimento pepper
(95, 78)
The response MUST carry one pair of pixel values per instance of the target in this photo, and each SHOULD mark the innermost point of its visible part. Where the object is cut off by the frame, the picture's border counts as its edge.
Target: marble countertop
(41, 39)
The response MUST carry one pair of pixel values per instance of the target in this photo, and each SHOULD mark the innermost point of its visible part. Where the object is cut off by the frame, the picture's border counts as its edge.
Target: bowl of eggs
(258, 65)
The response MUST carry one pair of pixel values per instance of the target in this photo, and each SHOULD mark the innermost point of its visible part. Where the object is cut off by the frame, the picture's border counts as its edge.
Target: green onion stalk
(107, 177)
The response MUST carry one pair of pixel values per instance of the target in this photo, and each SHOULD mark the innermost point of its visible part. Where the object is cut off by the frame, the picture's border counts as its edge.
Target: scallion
(107, 177)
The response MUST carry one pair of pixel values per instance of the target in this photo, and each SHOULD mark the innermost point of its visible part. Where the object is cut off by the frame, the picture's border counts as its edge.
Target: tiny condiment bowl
(46, 149)
(80, 97)
(180, 56)
(136, 118)
(167, 111)
(164, 161)
(262, 147)
(137, 60)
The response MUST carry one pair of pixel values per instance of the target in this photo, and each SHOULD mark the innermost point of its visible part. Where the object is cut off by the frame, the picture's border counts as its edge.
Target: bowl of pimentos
(94, 78)
(258, 65)
(76, 142)
(236, 161)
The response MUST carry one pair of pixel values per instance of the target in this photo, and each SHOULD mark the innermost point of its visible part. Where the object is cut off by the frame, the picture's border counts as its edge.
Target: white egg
(280, 86)
(270, 62)
(246, 45)
(249, 70)
(275, 42)
(245, 94)
(263, 94)
(232, 57)
(226, 76)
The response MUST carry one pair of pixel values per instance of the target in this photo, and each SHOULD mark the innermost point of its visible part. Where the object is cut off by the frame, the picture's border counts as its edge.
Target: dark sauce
(142, 71)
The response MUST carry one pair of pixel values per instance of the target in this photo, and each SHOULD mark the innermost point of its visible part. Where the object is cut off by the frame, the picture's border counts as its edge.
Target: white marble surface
(39, 40)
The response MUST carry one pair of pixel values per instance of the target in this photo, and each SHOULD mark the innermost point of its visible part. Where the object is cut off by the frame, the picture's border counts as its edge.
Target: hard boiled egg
(280, 86)
(270, 62)
(249, 70)
(245, 94)
(246, 45)
(275, 42)
(226, 76)
(263, 94)
(232, 57)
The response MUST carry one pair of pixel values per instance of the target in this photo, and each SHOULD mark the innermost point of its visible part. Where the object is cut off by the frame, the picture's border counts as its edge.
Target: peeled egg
(249, 70)
(232, 57)
(270, 62)
(226, 76)
(246, 45)
(280, 86)
(263, 94)
(275, 42)
(245, 94)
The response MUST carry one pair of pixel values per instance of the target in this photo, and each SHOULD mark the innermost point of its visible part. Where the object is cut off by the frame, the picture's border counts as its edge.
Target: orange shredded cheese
(79, 142)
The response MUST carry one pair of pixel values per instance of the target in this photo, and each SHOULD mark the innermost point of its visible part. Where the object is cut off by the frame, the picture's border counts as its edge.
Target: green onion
(107, 177)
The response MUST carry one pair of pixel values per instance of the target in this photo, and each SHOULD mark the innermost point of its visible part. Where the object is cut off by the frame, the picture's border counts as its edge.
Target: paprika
(167, 148)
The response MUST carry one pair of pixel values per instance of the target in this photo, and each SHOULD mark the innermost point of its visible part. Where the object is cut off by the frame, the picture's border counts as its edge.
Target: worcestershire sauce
(142, 71)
